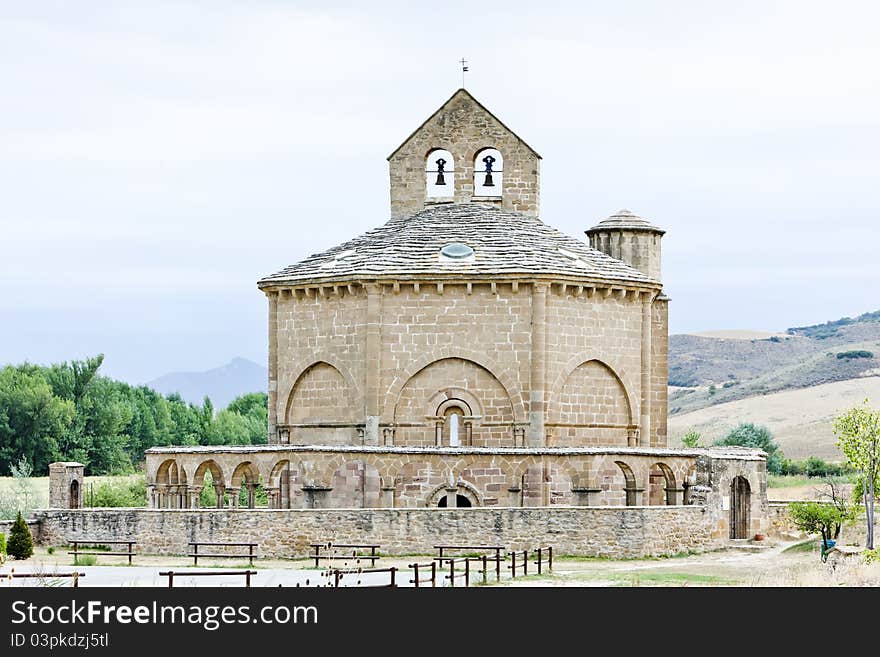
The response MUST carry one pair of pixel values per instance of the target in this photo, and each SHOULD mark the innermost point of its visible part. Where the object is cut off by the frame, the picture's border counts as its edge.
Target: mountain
(222, 384)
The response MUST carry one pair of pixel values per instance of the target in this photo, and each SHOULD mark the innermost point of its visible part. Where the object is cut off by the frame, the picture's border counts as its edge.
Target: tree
(21, 543)
(858, 437)
(758, 437)
(31, 418)
(818, 518)
(691, 439)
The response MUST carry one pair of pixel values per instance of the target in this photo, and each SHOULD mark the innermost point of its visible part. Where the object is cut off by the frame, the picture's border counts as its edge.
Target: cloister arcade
(390, 477)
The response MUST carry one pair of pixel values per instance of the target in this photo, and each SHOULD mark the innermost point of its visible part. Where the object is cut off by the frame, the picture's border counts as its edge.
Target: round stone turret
(627, 237)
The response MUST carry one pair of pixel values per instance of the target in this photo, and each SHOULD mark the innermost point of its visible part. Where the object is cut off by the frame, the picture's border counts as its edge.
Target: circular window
(457, 250)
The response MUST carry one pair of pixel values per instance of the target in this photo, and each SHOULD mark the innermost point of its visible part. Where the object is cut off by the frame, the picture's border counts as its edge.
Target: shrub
(86, 560)
(2, 548)
(50, 550)
(871, 555)
(817, 518)
(21, 543)
(752, 435)
(856, 353)
(712, 390)
(127, 493)
(691, 438)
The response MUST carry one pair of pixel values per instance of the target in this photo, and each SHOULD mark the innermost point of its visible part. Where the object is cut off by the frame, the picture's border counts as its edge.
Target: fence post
(484, 569)
(433, 574)
(513, 564)
(336, 577)
(550, 558)
(76, 580)
(539, 561)
(170, 579)
(393, 572)
(195, 554)
(452, 572)
(251, 554)
(498, 564)
(467, 572)
(247, 579)
(415, 567)
(525, 562)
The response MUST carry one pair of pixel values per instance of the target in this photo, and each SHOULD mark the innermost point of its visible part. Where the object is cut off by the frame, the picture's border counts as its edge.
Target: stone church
(465, 353)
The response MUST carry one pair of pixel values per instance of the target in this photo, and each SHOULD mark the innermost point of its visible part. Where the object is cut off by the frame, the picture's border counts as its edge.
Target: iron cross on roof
(464, 69)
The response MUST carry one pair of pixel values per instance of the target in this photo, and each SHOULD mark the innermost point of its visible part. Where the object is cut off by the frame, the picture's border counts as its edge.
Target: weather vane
(464, 69)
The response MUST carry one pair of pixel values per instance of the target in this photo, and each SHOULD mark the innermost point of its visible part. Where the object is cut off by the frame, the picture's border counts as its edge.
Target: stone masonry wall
(463, 128)
(598, 531)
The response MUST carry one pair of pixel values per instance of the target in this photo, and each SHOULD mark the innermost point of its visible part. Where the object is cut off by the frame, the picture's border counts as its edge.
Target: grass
(86, 560)
(811, 545)
(793, 481)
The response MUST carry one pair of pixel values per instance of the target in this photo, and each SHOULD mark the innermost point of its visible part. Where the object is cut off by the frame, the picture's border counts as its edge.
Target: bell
(441, 163)
(488, 161)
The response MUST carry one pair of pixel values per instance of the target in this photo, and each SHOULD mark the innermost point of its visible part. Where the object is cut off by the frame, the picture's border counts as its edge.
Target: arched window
(488, 173)
(440, 174)
(453, 424)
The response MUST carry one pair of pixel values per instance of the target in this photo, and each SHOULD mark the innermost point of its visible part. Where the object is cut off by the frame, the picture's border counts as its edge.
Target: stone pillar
(645, 420)
(438, 433)
(272, 493)
(451, 497)
(539, 364)
(233, 496)
(151, 496)
(251, 495)
(194, 492)
(273, 366)
(219, 490)
(387, 492)
(66, 485)
(373, 352)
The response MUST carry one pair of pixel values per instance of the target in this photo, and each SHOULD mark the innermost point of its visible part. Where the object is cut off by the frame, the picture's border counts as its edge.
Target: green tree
(858, 437)
(691, 439)
(31, 418)
(818, 518)
(757, 437)
(21, 543)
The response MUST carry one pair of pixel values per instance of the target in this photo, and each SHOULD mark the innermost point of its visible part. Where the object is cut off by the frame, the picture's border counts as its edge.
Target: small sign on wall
(725, 503)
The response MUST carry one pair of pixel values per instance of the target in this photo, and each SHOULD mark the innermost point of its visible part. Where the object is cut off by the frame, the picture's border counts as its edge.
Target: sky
(158, 158)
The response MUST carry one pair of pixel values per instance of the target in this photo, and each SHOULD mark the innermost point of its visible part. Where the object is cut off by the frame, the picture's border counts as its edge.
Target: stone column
(194, 493)
(151, 496)
(273, 366)
(372, 363)
(539, 364)
(233, 496)
(219, 489)
(451, 497)
(273, 493)
(251, 495)
(645, 420)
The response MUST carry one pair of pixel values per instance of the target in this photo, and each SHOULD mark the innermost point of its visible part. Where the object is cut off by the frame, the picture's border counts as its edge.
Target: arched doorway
(74, 494)
(460, 501)
(740, 505)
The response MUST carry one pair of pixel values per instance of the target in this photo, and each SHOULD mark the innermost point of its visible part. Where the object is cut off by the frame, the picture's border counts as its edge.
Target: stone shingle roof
(626, 220)
(504, 242)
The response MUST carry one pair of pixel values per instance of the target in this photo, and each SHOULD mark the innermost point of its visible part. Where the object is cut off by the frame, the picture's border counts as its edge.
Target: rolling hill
(793, 382)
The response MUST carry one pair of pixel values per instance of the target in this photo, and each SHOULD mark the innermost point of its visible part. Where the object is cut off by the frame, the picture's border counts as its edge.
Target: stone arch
(661, 484)
(463, 488)
(416, 407)
(611, 362)
(209, 466)
(439, 173)
(300, 366)
(330, 400)
(170, 472)
(244, 471)
(502, 374)
(488, 172)
(276, 470)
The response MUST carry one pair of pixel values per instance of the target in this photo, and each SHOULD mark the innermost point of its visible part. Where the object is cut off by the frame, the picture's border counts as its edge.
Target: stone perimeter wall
(594, 531)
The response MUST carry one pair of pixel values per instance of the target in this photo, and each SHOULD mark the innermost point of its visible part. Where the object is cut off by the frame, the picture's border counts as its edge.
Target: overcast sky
(156, 158)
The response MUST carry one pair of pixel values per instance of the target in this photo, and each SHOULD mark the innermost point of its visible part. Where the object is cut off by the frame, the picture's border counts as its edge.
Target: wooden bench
(195, 554)
(77, 551)
(372, 557)
(170, 574)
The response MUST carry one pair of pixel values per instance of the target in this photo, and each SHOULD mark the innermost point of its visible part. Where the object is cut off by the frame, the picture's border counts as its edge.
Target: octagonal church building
(465, 354)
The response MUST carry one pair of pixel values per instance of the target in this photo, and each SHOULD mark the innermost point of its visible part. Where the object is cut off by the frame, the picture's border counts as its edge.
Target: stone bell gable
(444, 161)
